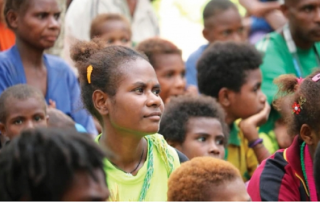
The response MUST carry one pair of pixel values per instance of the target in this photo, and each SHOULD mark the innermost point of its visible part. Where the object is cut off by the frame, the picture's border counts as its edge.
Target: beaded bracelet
(255, 142)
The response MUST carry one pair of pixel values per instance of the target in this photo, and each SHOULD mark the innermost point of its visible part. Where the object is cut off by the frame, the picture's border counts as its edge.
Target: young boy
(206, 179)
(114, 29)
(222, 22)
(21, 107)
(52, 165)
(195, 126)
(230, 73)
(166, 59)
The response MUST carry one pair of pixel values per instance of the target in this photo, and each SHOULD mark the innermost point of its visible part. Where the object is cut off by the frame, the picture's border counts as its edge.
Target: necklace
(307, 170)
(302, 164)
(130, 173)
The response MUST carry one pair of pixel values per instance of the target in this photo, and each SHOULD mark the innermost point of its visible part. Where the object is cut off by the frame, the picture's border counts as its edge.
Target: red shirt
(7, 37)
(280, 177)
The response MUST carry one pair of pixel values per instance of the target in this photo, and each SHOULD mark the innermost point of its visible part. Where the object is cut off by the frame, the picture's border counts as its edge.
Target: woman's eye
(138, 90)
(41, 15)
(57, 16)
(308, 9)
(202, 139)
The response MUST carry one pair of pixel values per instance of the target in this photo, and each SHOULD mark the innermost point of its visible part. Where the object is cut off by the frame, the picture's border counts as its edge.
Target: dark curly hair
(20, 92)
(173, 125)
(316, 167)
(290, 92)
(154, 46)
(106, 63)
(95, 29)
(190, 181)
(226, 64)
(40, 164)
(214, 7)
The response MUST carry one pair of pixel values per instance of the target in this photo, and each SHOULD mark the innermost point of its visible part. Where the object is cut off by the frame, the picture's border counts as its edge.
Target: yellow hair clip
(89, 71)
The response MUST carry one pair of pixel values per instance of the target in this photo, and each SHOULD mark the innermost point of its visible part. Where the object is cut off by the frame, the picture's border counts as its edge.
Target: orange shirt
(7, 37)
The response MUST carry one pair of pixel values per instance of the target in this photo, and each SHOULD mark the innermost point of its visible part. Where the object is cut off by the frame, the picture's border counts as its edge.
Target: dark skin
(310, 137)
(126, 123)
(36, 25)
(250, 105)
(304, 21)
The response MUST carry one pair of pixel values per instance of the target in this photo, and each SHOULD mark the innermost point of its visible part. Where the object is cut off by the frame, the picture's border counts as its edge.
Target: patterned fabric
(280, 177)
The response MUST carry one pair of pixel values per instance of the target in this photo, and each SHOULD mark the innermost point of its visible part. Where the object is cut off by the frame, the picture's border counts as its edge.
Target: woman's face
(137, 107)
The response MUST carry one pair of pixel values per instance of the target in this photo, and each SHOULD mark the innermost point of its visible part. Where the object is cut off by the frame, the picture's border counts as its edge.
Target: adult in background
(293, 50)
(144, 23)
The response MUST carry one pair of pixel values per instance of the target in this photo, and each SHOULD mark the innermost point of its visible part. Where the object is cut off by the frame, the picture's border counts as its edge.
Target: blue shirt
(62, 84)
(191, 66)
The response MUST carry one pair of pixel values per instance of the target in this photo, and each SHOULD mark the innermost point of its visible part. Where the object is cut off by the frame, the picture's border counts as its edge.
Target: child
(230, 73)
(316, 168)
(114, 29)
(206, 179)
(21, 107)
(128, 107)
(52, 165)
(195, 126)
(222, 22)
(167, 61)
(36, 26)
(288, 174)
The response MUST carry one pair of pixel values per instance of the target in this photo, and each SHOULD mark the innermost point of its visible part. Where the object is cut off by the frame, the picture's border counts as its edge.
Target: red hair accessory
(298, 106)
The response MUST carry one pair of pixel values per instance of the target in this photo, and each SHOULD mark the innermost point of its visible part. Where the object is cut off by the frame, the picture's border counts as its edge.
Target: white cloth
(144, 23)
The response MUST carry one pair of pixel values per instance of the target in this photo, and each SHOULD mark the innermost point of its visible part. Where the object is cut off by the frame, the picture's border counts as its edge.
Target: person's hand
(52, 104)
(249, 125)
(192, 90)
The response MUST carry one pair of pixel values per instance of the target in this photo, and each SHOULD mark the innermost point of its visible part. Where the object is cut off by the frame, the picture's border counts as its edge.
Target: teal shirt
(277, 60)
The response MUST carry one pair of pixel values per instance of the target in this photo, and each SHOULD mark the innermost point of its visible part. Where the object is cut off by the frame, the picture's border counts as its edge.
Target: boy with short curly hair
(195, 126)
(229, 72)
(206, 179)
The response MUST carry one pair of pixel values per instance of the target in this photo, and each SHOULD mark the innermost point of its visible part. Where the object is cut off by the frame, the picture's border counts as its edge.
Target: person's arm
(257, 8)
(249, 129)
(275, 19)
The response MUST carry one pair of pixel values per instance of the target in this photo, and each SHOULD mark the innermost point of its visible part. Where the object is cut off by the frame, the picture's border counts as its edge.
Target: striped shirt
(280, 177)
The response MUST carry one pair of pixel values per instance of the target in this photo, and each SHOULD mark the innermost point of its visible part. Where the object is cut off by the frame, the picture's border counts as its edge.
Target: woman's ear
(224, 97)
(99, 99)
(12, 18)
(307, 135)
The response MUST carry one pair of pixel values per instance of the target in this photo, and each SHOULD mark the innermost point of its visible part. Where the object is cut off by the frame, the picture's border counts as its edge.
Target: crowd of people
(117, 114)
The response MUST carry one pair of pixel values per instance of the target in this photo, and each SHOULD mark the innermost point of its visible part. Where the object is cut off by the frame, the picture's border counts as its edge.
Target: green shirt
(277, 60)
(124, 187)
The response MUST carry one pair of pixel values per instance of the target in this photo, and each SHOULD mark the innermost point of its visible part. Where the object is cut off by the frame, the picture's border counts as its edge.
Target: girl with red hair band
(288, 174)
